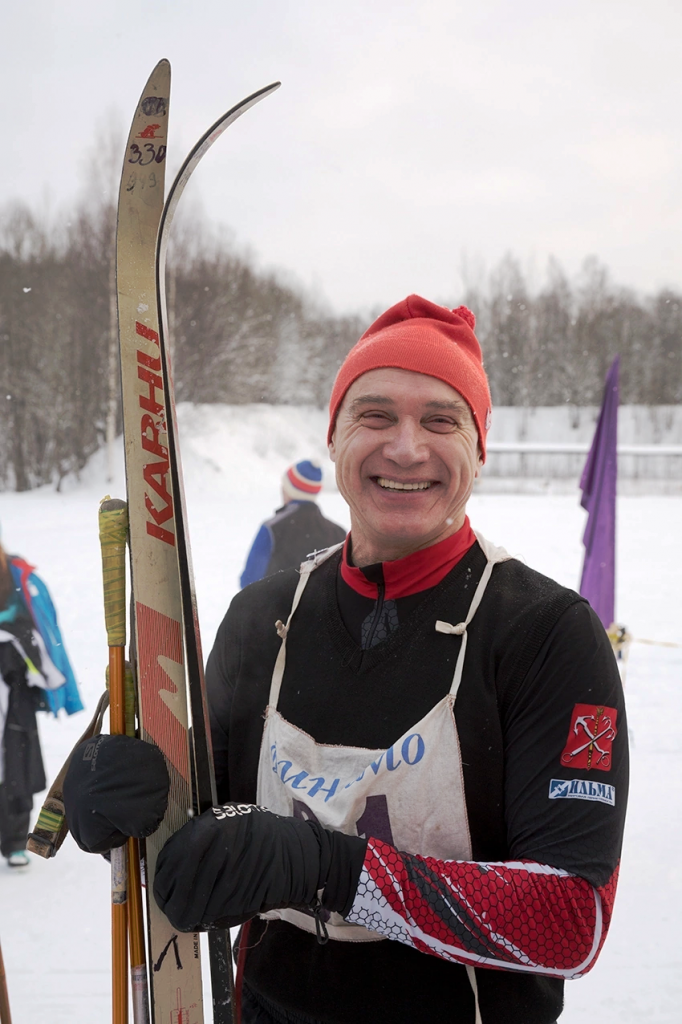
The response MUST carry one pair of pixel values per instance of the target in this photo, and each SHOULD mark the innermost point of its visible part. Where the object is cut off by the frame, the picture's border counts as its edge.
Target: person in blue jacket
(296, 529)
(35, 675)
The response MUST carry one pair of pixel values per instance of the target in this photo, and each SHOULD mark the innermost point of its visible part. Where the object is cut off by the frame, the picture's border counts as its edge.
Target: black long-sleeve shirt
(535, 652)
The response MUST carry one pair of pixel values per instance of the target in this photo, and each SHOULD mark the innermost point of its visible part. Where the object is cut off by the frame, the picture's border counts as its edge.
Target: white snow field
(54, 916)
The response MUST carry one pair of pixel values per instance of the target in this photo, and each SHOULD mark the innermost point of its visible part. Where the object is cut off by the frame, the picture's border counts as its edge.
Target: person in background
(35, 675)
(296, 529)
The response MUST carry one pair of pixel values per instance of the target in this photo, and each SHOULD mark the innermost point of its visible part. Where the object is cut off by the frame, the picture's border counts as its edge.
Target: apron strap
(494, 555)
(283, 628)
(471, 974)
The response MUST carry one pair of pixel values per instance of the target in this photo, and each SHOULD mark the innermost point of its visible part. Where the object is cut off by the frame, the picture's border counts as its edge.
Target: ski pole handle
(113, 531)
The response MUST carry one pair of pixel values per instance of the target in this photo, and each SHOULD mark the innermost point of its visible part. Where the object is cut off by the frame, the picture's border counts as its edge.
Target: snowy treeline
(554, 344)
(237, 335)
(240, 335)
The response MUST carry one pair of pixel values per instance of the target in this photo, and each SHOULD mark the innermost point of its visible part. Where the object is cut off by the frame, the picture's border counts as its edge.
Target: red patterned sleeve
(514, 915)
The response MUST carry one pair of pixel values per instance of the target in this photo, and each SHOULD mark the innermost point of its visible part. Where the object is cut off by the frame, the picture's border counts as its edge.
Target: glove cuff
(341, 860)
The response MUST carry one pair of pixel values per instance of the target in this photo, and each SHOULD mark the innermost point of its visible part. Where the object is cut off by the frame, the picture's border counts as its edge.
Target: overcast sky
(410, 137)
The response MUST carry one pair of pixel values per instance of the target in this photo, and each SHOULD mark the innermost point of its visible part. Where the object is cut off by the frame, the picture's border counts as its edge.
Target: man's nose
(406, 444)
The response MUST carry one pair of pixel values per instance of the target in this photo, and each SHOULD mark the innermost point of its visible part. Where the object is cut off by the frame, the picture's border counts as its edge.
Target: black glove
(239, 860)
(115, 787)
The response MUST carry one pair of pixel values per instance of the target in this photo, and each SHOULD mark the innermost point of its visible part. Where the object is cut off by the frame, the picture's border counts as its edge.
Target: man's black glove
(239, 860)
(115, 787)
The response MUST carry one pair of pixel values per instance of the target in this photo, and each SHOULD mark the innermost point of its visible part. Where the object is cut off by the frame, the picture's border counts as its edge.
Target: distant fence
(546, 448)
(555, 460)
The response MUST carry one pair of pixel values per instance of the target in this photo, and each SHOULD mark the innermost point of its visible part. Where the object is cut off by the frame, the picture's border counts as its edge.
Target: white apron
(410, 795)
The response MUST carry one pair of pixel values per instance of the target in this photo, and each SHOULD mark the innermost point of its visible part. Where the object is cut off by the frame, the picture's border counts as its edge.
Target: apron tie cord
(447, 627)
(283, 628)
(493, 556)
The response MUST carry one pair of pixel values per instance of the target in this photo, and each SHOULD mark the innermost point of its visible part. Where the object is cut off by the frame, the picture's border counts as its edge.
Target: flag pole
(598, 484)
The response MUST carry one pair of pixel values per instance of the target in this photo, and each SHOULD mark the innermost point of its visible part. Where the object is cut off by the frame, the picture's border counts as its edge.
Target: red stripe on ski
(161, 635)
(146, 332)
(158, 531)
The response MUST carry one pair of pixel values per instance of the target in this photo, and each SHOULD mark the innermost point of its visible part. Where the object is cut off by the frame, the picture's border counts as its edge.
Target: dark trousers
(254, 1013)
(13, 825)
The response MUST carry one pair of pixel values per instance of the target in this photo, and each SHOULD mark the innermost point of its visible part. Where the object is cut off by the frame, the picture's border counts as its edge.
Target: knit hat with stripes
(302, 481)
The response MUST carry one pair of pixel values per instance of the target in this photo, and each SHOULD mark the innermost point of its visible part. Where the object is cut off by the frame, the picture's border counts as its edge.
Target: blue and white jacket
(42, 611)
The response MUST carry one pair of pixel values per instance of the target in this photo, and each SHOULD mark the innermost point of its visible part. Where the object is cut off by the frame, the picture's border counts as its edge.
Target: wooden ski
(174, 961)
(167, 642)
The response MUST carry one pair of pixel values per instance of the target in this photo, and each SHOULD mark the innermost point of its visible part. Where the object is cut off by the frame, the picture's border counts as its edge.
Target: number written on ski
(147, 154)
(141, 181)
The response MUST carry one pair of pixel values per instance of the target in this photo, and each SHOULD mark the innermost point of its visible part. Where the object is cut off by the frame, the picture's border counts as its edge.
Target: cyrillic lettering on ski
(158, 496)
(164, 710)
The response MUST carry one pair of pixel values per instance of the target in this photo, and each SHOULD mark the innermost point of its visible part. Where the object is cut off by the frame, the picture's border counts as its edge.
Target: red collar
(416, 572)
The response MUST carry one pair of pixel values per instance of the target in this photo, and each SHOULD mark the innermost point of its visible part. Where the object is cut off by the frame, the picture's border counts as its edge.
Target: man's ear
(332, 448)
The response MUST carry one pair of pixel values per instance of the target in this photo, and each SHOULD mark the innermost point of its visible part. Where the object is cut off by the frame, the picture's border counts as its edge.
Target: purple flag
(598, 484)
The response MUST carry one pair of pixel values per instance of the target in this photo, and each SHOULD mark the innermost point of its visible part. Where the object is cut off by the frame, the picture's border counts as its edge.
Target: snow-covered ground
(54, 917)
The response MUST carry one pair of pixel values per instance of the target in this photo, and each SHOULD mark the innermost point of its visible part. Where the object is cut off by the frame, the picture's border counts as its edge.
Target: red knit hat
(420, 336)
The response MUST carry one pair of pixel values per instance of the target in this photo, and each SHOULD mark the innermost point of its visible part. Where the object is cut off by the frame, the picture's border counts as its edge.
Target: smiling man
(407, 454)
(420, 742)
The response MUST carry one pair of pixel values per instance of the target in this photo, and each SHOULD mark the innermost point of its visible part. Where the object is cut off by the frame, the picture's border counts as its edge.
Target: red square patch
(592, 732)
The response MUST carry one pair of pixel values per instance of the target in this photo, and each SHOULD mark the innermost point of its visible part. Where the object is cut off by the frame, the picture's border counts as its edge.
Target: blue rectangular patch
(582, 789)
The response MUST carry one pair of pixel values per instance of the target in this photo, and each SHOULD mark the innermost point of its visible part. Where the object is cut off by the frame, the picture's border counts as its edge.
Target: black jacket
(283, 542)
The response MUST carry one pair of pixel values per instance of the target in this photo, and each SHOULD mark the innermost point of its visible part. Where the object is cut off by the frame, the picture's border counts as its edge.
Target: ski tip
(267, 90)
(161, 68)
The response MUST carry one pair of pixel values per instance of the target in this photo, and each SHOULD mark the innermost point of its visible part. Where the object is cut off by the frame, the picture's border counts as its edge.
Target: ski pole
(5, 1015)
(138, 961)
(113, 528)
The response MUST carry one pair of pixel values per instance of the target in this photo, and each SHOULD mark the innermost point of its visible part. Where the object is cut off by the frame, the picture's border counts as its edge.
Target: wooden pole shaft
(138, 960)
(117, 703)
(137, 953)
(113, 529)
(119, 963)
(119, 887)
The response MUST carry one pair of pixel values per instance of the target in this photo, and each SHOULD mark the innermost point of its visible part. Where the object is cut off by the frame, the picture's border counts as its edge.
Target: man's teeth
(396, 485)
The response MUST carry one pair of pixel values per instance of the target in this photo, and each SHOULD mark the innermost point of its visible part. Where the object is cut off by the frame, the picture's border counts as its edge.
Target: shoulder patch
(590, 737)
(582, 789)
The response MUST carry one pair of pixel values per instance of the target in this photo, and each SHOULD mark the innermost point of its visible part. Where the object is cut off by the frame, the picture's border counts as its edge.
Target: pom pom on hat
(422, 337)
(466, 315)
(302, 481)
